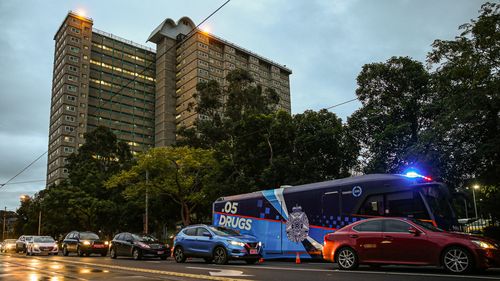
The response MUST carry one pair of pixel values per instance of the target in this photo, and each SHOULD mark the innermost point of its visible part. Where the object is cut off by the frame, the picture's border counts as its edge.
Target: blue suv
(217, 244)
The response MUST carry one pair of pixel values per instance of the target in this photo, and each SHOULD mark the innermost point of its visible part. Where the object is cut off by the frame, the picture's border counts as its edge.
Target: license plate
(98, 246)
(160, 252)
(253, 251)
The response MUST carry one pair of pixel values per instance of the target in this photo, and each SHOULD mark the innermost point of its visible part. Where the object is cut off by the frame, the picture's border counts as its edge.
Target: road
(19, 267)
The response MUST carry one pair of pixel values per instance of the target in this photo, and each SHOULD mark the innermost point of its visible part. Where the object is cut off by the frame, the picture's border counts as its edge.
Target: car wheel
(457, 260)
(179, 255)
(65, 251)
(252, 261)
(220, 255)
(137, 254)
(347, 259)
(112, 253)
(208, 260)
(79, 252)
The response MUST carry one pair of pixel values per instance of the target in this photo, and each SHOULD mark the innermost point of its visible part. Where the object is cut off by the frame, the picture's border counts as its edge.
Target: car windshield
(222, 231)
(144, 238)
(426, 225)
(88, 235)
(43, 239)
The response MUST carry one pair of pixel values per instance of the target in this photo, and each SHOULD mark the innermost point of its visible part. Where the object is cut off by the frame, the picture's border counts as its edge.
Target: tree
(101, 156)
(392, 124)
(260, 147)
(183, 174)
(466, 82)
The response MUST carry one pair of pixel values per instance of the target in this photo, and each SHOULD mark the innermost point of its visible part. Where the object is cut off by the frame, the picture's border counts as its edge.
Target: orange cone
(297, 258)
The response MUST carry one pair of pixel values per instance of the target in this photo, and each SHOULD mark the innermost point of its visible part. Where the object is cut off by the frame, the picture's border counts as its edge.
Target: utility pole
(39, 221)
(4, 218)
(146, 223)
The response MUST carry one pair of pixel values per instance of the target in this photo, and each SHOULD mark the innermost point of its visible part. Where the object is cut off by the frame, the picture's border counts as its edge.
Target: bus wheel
(347, 259)
(220, 255)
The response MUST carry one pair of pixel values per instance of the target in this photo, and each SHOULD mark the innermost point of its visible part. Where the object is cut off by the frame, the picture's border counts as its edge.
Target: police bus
(294, 220)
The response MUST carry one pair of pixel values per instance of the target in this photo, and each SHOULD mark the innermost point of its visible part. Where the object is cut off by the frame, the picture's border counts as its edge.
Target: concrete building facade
(140, 93)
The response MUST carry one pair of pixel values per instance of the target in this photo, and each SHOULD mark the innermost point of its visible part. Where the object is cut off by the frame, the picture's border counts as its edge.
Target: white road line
(369, 272)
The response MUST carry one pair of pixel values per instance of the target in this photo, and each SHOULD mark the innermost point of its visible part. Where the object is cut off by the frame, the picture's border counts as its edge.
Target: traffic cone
(297, 258)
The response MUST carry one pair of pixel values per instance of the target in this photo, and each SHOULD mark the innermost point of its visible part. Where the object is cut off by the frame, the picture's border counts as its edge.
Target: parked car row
(375, 241)
(214, 244)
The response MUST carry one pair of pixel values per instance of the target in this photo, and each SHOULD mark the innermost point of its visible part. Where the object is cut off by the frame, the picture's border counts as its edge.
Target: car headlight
(259, 244)
(86, 243)
(236, 243)
(483, 244)
(106, 243)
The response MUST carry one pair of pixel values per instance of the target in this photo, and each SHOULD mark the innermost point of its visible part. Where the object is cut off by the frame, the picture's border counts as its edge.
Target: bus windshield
(439, 205)
(426, 225)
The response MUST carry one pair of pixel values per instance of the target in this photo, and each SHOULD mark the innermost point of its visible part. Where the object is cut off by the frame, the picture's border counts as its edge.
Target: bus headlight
(483, 244)
(236, 243)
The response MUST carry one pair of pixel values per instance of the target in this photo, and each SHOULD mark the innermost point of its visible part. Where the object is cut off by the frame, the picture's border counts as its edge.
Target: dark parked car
(408, 241)
(215, 243)
(84, 243)
(138, 246)
(21, 243)
(8, 245)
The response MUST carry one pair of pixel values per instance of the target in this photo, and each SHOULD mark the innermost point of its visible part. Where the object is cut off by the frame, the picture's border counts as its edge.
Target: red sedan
(408, 241)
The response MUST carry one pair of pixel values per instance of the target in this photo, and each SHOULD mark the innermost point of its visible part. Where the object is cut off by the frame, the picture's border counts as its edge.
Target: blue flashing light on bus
(412, 174)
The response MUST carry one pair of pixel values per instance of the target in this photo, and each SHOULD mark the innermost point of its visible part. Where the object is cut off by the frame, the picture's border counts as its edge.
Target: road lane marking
(152, 271)
(369, 272)
(223, 272)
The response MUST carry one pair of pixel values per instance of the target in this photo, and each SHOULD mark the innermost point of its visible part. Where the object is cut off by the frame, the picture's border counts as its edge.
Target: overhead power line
(339, 104)
(24, 169)
(22, 182)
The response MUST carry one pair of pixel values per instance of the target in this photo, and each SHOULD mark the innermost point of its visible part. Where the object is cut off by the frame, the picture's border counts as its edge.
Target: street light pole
(39, 221)
(474, 198)
(4, 218)
(146, 219)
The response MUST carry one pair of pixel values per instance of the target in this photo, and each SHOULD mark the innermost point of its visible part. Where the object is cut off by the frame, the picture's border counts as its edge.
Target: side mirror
(414, 231)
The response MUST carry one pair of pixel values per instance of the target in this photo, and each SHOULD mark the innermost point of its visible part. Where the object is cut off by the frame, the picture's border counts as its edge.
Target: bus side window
(330, 205)
(405, 204)
(373, 206)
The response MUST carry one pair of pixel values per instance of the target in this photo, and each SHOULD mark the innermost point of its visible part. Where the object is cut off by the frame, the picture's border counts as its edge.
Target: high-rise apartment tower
(141, 94)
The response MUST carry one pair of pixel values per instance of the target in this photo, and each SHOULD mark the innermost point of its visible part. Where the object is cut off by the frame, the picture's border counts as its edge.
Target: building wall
(205, 57)
(165, 92)
(69, 93)
(122, 90)
(98, 79)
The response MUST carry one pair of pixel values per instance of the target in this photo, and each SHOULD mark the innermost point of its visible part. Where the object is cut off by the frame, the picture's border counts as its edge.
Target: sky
(325, 43)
